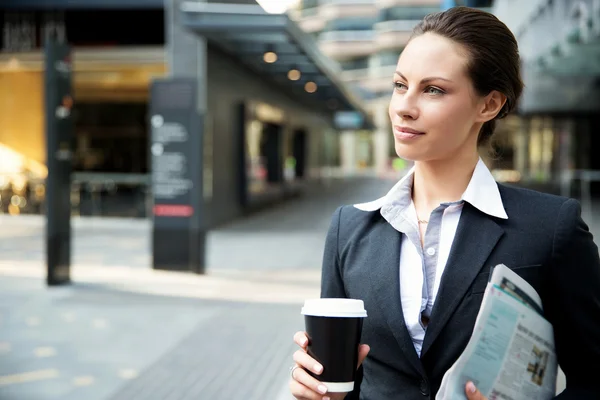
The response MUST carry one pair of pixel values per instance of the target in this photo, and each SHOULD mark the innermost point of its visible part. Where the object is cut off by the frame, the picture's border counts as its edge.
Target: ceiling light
(270, 57)
(310, 87)
(294, 74)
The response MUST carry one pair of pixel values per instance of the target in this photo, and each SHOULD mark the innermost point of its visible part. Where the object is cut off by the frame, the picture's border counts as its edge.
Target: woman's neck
(441, 181)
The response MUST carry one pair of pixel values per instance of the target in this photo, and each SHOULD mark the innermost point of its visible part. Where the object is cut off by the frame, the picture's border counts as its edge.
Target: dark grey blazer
(544, 240)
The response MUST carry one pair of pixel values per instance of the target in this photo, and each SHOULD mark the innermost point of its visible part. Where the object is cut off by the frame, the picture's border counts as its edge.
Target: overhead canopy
(19, 5)
(247, 32)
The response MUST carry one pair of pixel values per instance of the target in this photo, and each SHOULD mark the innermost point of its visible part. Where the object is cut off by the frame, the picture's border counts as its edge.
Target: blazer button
(424, 388)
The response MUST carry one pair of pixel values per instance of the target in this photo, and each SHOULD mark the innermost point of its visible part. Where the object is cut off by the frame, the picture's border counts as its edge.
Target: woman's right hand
(305, 387)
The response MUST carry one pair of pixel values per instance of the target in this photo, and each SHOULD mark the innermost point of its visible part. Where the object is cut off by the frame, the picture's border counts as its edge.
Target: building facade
(264, 134)
(552, 138)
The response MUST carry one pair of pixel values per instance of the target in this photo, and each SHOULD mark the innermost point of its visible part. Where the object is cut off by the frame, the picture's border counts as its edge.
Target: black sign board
(59, 145)
(176, 152)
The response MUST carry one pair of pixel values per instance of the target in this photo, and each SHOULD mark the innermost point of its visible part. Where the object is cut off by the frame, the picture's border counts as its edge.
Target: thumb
(472, 392)
(363, 350)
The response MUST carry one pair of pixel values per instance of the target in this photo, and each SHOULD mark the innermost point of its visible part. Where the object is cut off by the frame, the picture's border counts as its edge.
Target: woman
(420, 256)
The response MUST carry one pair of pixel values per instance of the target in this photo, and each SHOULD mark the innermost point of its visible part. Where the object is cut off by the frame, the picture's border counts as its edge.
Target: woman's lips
(404, 133)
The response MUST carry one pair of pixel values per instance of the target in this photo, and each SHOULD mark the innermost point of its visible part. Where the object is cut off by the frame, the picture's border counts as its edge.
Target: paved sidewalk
(93, 342)
(289, 236)
(125, 332)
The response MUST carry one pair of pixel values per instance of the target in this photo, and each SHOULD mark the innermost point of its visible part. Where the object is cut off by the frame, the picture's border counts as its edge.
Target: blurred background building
(268, 96)
(113, 66)
(339, 52)
(551, 142)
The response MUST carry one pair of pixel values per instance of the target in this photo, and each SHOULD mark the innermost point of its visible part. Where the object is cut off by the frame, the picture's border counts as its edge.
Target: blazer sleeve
(331, 276)
(332, 285)
(573, 303)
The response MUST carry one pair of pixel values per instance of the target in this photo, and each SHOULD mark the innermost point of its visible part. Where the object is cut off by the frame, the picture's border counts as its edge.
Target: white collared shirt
(417, 262)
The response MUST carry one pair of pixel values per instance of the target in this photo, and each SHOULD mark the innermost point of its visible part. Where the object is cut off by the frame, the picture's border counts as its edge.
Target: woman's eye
(434, 90)
(399, 86)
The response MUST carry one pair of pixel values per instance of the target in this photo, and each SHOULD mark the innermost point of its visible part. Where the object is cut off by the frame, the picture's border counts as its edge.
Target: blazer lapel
(384, 242)
(476, 237)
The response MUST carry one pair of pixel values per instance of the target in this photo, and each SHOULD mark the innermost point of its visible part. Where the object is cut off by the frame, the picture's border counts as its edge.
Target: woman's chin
(408, 153)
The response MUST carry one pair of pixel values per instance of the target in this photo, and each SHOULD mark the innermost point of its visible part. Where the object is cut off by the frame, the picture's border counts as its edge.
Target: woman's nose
(404, 106)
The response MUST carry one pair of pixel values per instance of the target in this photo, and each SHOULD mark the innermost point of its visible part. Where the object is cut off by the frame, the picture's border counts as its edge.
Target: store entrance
(299, 153)
(111, 138)
(271, 151)
(111, 159)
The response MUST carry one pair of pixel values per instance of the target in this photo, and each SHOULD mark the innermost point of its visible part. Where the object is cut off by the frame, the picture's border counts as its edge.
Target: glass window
(405, 12)
(357, 63)
(351, 24)
(264, 149)
(474, 3)
(387, 57)
(365, 94)
(256, 167)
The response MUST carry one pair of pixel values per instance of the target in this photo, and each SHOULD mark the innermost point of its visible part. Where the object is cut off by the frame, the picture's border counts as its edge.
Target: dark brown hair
(494, 62)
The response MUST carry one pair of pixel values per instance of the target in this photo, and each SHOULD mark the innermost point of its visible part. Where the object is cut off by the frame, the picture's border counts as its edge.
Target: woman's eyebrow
(425, 80)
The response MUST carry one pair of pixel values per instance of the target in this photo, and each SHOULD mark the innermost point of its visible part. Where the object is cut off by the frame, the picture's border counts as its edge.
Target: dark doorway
(111, 137)
(299, 152)
(111, 159)
(272, 151)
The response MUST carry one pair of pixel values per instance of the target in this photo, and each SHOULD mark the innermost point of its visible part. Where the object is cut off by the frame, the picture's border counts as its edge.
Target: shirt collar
(482, 193)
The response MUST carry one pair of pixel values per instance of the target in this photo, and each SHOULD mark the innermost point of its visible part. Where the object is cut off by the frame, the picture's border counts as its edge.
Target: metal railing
(111, 194)
(92, 194)
(309, 12)
(359, 35)
(406, 25)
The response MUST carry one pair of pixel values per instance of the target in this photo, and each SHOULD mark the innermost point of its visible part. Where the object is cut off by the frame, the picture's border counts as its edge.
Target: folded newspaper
(511, 354)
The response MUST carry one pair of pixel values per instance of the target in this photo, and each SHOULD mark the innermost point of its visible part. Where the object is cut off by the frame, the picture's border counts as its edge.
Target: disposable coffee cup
(334, 328)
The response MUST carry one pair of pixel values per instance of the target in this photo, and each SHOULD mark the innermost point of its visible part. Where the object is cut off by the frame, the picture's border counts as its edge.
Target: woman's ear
(492, 105)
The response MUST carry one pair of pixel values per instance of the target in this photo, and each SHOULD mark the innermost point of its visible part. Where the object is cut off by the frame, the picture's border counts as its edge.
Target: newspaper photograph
(511, 353)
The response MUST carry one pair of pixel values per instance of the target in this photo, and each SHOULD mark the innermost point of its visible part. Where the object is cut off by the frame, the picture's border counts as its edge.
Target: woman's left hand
(473, 393)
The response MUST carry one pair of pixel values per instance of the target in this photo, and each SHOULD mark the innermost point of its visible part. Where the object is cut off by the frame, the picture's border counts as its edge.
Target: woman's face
(434, 110)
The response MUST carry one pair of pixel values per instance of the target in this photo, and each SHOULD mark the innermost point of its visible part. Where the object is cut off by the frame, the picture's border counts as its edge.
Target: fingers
(301, 392)
(309, 386)
(302, 385)
(472, 392)
(301, 340)
(307, 362)
(363, 350)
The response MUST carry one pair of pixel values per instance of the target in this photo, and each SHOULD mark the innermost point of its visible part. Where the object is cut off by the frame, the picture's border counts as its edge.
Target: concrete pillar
(179, 240)
(348, 144)
(185, 51)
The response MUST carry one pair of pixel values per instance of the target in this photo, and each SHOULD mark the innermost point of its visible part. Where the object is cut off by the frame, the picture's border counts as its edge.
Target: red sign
(171, 210)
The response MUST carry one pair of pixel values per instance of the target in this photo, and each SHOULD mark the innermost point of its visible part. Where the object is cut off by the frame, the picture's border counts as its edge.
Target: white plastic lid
(344, 308)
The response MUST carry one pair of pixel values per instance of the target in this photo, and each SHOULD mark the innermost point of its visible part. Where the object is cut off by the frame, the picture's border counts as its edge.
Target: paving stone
(241, 354)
